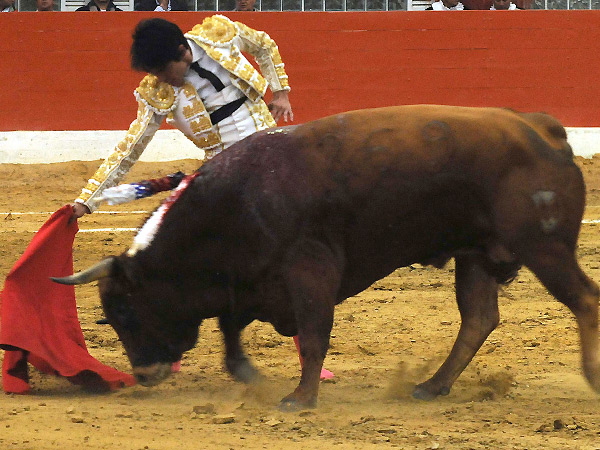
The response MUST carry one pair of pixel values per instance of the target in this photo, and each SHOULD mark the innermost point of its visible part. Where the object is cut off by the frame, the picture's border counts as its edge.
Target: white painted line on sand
(46, 213)
(99, 230)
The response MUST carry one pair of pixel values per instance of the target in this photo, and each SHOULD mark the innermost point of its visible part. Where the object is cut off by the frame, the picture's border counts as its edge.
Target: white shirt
(209, 95)
(242, 123)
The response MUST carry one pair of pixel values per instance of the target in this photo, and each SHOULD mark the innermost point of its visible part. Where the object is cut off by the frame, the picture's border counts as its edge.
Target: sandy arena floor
(524, 389)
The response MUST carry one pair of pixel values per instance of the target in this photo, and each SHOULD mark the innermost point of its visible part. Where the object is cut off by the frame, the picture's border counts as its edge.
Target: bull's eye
(126, 317)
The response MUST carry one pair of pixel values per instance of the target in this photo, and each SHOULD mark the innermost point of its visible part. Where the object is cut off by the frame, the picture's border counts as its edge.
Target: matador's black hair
(155, 44)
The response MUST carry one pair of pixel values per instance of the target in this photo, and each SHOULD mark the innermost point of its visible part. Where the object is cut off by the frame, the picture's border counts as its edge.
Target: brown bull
(290, 222)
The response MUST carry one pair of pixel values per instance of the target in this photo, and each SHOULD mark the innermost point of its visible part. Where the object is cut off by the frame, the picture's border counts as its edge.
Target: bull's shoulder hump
(547, 136)
(546, 123)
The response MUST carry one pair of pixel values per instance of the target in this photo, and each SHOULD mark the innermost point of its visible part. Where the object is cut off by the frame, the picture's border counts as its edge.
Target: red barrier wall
(70, 71)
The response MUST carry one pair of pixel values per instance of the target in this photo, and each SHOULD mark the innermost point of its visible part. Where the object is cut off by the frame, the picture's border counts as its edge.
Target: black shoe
(103, 321)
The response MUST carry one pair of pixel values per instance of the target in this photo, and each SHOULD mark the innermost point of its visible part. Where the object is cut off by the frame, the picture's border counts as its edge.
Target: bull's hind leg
(477, 297)
(556, 267)
(313, 279)
(236, 361)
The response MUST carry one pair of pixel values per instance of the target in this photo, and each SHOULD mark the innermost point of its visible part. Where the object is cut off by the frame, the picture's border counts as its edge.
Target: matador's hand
(79, 209)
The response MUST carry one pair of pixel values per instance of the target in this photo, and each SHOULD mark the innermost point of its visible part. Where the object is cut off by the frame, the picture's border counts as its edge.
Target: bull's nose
(142, 379)
(152, 375)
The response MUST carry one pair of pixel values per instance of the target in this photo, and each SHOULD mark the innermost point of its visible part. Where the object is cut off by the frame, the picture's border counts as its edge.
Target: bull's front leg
(477, 298)
(236, 361)
(313, 283)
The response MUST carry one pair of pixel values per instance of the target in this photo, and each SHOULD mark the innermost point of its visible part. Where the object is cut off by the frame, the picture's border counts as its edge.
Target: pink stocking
(325, 374)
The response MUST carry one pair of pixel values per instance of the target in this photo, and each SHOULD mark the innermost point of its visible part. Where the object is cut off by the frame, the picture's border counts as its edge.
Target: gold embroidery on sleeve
(118, 163)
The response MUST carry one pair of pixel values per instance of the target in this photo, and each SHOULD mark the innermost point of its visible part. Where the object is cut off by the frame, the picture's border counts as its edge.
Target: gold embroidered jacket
(223, 41)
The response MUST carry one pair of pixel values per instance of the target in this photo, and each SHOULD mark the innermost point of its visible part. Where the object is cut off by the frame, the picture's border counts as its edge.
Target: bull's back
(392, 185)
(422, 140)
(354, 150)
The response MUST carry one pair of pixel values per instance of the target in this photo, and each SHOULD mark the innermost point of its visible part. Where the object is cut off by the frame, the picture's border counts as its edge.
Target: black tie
(214, 80)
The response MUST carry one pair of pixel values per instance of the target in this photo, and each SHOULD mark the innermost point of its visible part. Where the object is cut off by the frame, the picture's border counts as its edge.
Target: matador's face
(174, 71)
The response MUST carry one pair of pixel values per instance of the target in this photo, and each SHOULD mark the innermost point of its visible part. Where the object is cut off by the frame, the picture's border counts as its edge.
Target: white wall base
(38, 147)
(585, 141)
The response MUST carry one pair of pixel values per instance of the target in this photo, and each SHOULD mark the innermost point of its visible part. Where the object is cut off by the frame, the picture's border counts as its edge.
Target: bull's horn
(100, 270)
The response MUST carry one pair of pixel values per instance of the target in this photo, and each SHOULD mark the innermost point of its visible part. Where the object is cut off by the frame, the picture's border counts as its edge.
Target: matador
(204, 86)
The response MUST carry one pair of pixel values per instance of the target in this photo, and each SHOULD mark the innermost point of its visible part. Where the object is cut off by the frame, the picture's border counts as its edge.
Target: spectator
(502, 4)
(45, 5)
(7, 5)
(446, 5)
(160, 5)
(99, 5)
(483, 5)
(245, 5)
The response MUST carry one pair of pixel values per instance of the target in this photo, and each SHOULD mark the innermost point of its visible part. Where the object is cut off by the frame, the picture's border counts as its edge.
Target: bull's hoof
(292, 404)
(241, 370)
(422, 393)
(592, 374)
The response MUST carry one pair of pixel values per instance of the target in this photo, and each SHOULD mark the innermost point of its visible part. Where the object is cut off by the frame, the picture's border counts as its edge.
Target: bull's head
(143, 313)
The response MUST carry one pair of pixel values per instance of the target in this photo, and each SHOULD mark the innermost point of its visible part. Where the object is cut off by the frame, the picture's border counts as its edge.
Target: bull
(291, 221)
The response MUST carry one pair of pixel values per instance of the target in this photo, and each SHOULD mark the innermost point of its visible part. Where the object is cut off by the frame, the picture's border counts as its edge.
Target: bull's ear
(103, 269)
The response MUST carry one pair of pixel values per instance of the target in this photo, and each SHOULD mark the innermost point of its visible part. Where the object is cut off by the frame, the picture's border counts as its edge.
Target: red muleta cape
(38, 318)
